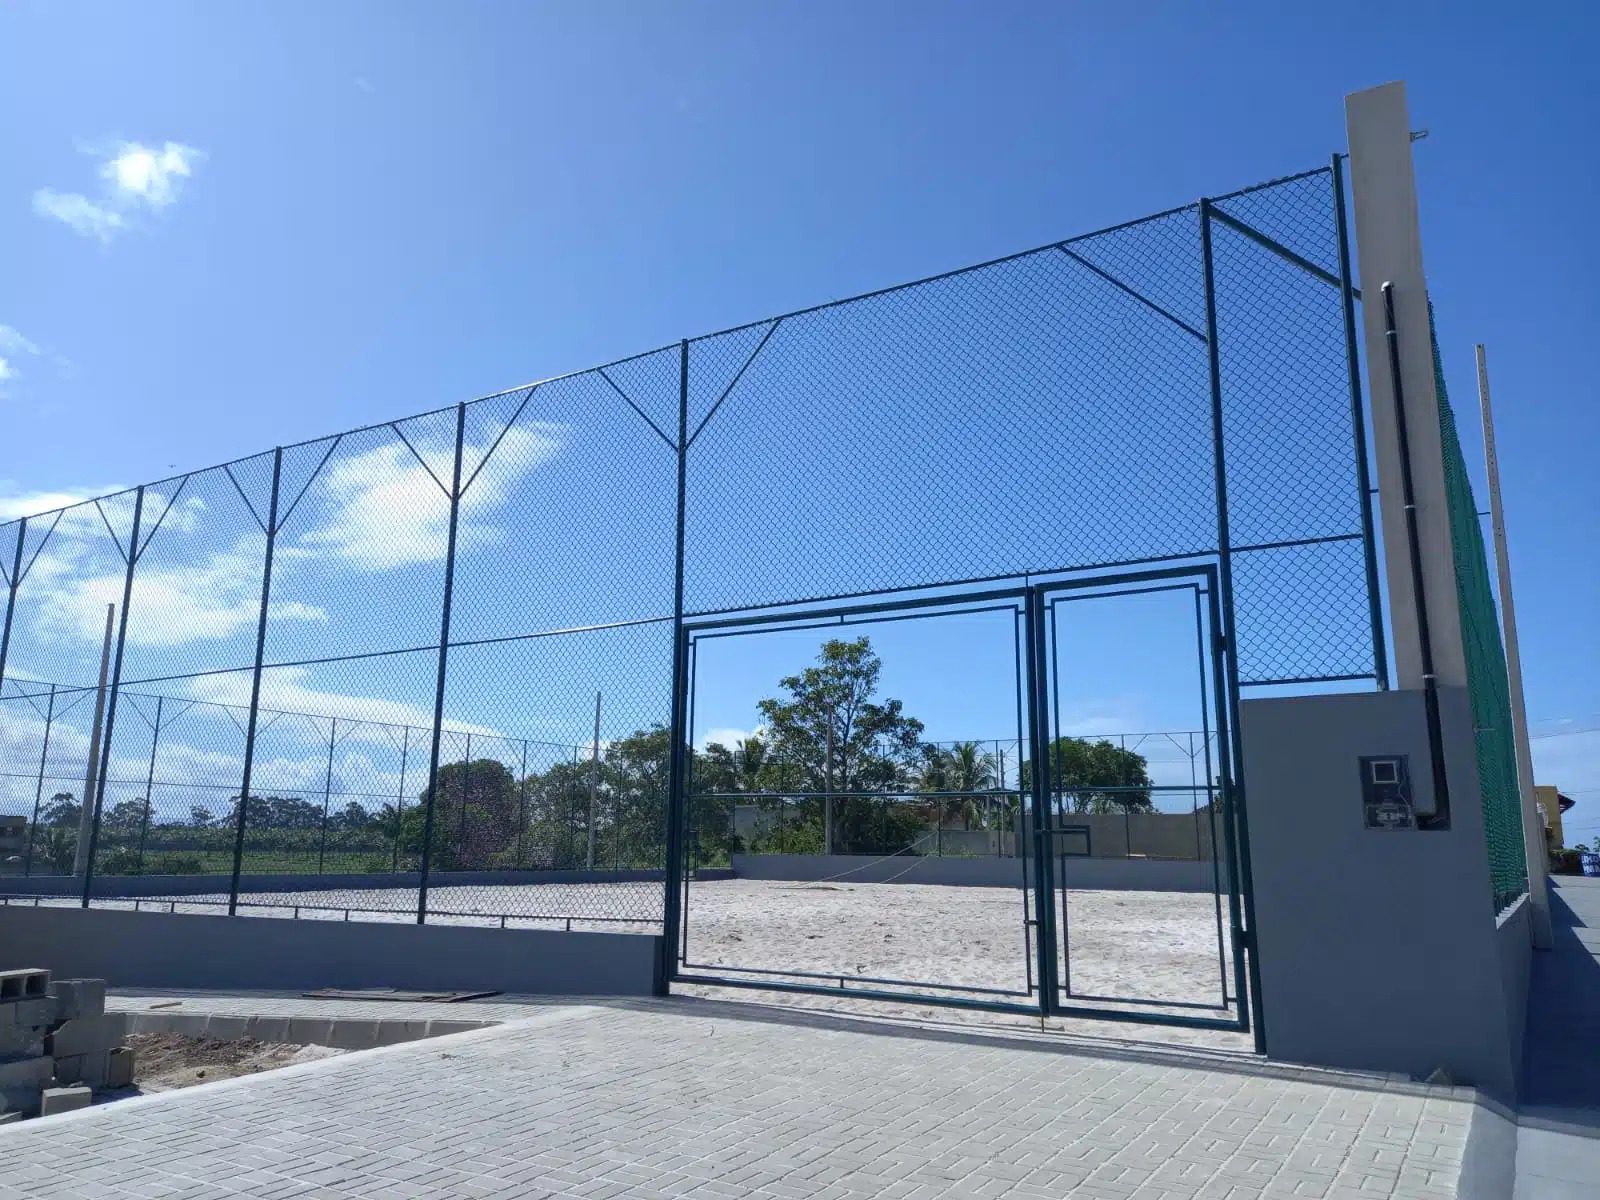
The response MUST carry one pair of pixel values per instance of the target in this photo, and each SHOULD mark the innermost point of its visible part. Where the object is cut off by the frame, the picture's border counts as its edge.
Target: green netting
(1487, 682)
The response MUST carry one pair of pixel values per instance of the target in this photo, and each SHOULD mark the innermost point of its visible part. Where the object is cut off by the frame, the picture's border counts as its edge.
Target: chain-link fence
(481, 603)
(1488, 683)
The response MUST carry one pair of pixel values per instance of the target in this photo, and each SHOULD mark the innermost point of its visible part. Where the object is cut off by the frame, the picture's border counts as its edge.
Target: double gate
(997, 930)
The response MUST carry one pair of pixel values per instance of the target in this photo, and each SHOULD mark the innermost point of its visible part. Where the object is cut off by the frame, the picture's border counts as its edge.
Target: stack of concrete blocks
(58, 1045)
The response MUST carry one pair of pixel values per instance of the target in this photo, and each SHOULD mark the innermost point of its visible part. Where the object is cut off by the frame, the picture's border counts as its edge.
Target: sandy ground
(1126, 949)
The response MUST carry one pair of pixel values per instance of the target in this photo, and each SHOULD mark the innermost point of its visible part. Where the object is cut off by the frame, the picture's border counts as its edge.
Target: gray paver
(687, 1097)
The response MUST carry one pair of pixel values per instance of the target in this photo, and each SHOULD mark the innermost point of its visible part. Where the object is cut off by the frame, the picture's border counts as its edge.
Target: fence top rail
(1193, 206)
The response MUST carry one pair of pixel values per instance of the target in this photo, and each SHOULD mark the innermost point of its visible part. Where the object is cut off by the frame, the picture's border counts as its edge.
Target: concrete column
(1389, 249)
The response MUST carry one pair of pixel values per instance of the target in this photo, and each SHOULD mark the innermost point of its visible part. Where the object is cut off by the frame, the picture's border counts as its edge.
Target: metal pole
(1043, 874)
(594, 780)
(827, 790)
(444, 660)
(677, 770)
(1358, 431)
(1534, 849)
(400, 797)
(466, 792)
(1227, 633)
(150, 782)
(80, 857)
(38, 791)
(243, 815)
(116, 687)
(11, 595)
(327, 790)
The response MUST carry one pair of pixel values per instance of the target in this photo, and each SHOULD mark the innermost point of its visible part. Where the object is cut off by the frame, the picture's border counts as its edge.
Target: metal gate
(1003, 935)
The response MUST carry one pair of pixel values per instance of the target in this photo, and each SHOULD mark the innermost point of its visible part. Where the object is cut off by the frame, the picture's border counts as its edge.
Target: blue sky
(343, 213)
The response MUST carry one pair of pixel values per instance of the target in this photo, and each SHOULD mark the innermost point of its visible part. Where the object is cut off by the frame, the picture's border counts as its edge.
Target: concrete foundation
(148, 949)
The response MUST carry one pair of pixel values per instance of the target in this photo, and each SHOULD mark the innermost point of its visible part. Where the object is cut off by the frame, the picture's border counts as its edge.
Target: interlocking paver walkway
(699, 1098)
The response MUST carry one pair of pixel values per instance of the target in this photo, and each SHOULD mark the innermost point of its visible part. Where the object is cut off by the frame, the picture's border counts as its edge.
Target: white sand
(1159, 948)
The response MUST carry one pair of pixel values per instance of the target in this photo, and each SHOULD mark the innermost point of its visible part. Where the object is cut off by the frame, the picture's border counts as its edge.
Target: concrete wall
(1111, 874)
(1378, 949)
(199, 885)
(146, 949)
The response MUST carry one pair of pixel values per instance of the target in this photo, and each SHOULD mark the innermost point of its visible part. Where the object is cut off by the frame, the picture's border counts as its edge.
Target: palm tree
(750, 762)
(970, 772)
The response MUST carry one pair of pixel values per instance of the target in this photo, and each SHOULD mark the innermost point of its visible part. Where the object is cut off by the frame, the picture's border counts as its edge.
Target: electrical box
(1386, 792)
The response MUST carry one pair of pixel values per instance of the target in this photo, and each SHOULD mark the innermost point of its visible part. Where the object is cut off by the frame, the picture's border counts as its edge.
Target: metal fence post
(38, 791)
(111, 702)
(466, 794)
(522, 805)
(327, 792)
(242, 816)
(1227, 634)
(149, 782)
(11, 596)
(1358, 429)
(671, 912)
(1038, 715)
(444, 662)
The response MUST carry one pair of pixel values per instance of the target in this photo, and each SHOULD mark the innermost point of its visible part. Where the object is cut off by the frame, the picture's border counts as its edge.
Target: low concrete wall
(145, 949)
(1109, 874)
(1514, 944)
(1378, 949)
(197, 885)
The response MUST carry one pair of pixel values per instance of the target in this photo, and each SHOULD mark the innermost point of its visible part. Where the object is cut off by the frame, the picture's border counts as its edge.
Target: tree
(1096, 777)
(62, 812)
(965, 771)
(475, 819)
(125, 816)
(830, 731)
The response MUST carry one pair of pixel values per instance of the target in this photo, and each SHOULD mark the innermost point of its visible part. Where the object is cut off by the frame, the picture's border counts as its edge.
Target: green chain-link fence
(1487, 683)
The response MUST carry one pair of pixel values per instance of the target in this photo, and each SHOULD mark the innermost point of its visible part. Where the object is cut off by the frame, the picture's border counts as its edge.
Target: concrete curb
(340, 1033)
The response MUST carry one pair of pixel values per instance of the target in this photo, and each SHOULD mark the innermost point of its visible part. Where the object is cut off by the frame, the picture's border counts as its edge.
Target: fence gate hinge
(1222, 640)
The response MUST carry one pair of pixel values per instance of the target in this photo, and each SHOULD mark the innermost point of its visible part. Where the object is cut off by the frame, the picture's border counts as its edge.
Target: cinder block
(79, 998)
(24, 983)
(88, 1069)
(26, 1073)
(63, 1099)
(87, 1034)
(38, 1010)
(21, 1041)
(119, 1068)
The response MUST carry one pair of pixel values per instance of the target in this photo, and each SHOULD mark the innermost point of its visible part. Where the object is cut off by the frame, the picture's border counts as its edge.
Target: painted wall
(1549, 799)
(1378, 949)
(1112, 874)
(145, 949)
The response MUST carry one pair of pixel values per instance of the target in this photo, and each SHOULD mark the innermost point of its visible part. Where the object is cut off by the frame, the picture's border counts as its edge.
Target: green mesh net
(1487, 683)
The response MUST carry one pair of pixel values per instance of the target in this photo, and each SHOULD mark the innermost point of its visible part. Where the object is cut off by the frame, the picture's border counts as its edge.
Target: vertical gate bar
(400, 797)
(38, 791)
(327, 792)
(1211, 794)
(1043, 885)
(1226, 771)
(111, 701)
(1019, 846)
(1358, 428)
(444, 662)
(1228, 703)
(255, 684)
(150, 782)
(11, 596)
(676, 781)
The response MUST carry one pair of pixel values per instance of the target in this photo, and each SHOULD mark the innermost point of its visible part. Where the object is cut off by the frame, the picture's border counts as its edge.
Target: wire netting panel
(1030, 415)
(1488, 685)
(570, 503)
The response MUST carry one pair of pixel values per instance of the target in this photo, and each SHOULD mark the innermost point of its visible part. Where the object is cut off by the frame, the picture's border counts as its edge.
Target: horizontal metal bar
(839, 622)
(811, 989)
(953, 603)
(951, 987)
(1306, 679)
(1282, 251)
(1331, 539)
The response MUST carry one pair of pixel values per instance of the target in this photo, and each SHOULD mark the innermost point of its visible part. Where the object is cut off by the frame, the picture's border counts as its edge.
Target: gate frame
(1028, 597)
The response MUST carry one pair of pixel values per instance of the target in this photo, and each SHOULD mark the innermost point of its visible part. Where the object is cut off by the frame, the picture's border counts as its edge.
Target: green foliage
(1096, 776)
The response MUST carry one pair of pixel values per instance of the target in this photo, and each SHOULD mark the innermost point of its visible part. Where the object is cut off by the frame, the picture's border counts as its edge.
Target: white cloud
(29, 504)
(13, 346)
(385, 509)
(725, 736)
(135, 179)
(79, 214)
(289, 689)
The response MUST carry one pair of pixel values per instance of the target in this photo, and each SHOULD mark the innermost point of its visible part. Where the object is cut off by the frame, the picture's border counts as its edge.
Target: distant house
(1552, 804)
